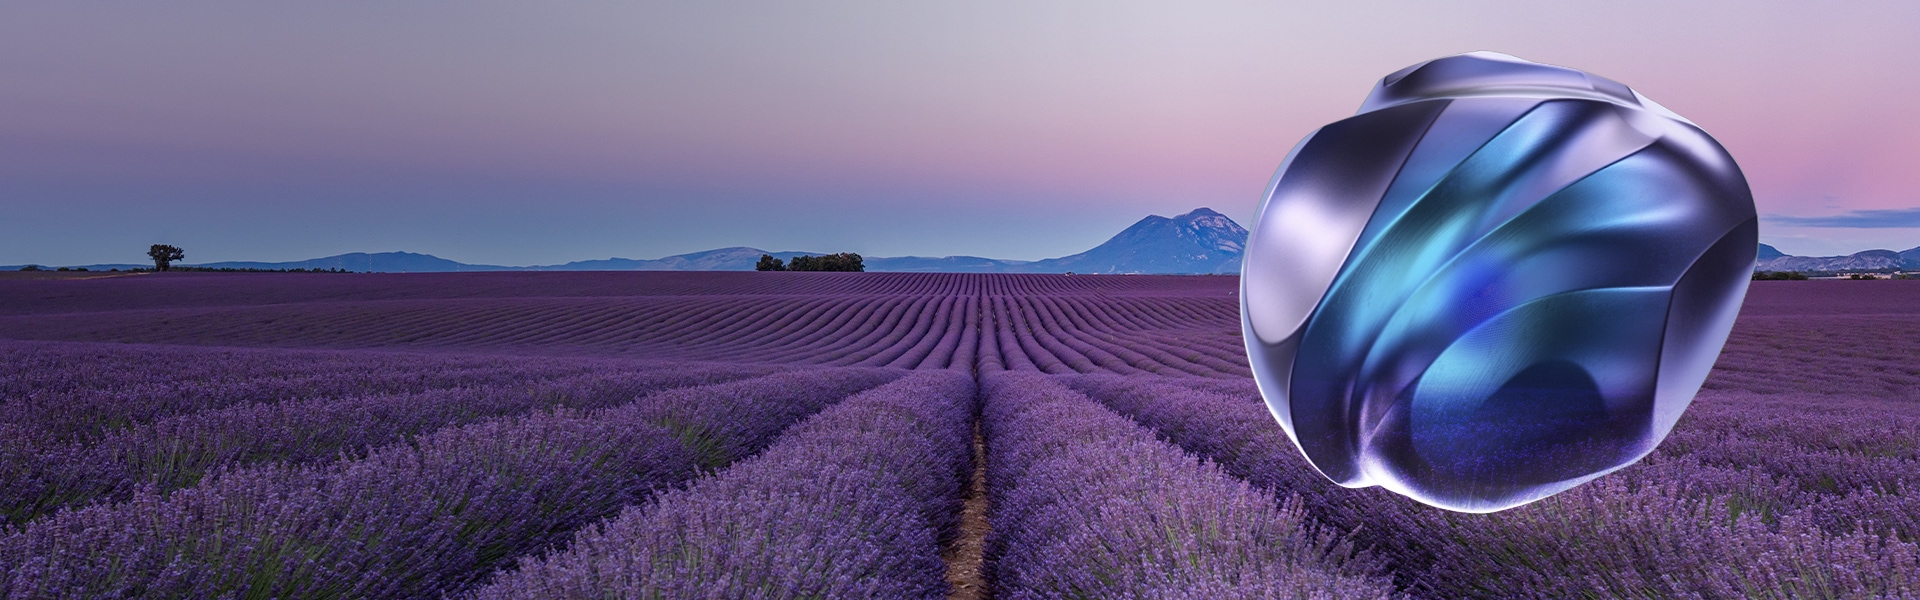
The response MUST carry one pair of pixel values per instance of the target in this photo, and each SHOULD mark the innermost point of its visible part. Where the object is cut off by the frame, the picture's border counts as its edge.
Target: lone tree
(769, 263)
(163, 255)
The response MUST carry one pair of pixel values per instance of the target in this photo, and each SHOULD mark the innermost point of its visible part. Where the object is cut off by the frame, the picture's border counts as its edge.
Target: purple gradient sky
(535, 134)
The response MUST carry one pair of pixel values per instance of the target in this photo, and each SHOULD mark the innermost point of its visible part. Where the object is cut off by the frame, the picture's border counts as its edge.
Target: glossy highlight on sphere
(1499, 280)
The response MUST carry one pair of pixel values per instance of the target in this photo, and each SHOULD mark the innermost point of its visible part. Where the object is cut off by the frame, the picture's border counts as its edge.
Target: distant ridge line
(1772, 259)
(1201, 241)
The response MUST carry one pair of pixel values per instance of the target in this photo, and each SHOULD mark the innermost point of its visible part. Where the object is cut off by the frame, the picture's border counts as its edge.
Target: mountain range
(1200, 242)
(1771, 259)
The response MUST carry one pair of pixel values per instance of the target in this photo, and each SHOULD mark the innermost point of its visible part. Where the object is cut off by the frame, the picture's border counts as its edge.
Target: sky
(541, 133)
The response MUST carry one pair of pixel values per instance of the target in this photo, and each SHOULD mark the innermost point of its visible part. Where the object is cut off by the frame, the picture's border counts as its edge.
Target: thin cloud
(1886, 218)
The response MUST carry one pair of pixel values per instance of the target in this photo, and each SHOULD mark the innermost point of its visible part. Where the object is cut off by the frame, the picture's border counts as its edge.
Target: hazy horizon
(698, 251)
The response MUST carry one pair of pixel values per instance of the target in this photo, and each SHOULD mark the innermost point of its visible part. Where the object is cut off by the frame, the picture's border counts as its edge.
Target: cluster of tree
(1779, 276)
(844, 261)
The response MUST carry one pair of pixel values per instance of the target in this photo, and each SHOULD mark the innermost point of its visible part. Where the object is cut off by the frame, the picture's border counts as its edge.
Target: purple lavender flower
(1088, 505)
(851, 503)
(417, 519)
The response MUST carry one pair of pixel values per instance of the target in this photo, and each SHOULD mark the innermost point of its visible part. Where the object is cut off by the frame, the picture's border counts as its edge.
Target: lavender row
(850, 503)
(176, 452)
(1670, 527)
(885, 331)
(201, 290)
(1077, 335)
(1819, 352)
(1106, 328)
(907, 345)
(35, 368)
(1086, 504)
(80, 391)
(414, 520)
(1154, 328)
(841, 330)
(1116, 326)
(1841, 463)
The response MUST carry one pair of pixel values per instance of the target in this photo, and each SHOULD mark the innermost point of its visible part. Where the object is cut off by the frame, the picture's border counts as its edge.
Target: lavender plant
(848, 504)
(419, 519)
(178, 451)
(1088, 505)
(78, 392)
(368, 472)
(1672, 527)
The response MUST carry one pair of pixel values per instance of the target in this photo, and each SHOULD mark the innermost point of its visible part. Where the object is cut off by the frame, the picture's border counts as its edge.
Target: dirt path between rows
(966, 554)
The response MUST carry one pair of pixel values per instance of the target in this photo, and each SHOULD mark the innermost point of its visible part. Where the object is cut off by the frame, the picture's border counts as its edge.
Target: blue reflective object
(1499, 280)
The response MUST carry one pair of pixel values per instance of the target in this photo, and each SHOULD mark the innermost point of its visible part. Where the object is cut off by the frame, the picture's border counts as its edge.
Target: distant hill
(1866, 260)
(380, 262)
(100, 267)
(377, 262)
(737, 258)
(1199, 242)
(944, 264)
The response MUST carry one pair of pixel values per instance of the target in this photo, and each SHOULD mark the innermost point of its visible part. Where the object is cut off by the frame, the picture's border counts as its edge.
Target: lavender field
(862, 435)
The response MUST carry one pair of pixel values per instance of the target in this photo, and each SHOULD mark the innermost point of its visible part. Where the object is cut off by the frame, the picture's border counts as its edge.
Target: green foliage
(769, 263)
(844, 261)
(30, 268)
(163, 255)
(1862, 277)
(1779, 276)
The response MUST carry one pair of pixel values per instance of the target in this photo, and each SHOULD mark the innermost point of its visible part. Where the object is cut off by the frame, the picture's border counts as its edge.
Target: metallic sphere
(1499, 280)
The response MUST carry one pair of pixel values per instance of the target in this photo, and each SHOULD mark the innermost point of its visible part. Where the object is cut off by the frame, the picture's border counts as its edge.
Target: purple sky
(542, 133)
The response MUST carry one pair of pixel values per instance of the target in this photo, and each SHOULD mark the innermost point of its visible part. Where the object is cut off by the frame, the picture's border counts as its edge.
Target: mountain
(1199, 242)
(379, 262)
(944, 264)
(1202, 241)
(737, 258)
(1867, 260)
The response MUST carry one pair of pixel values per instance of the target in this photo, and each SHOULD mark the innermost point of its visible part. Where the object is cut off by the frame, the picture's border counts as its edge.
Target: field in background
(570, 434)
(1120, 324)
